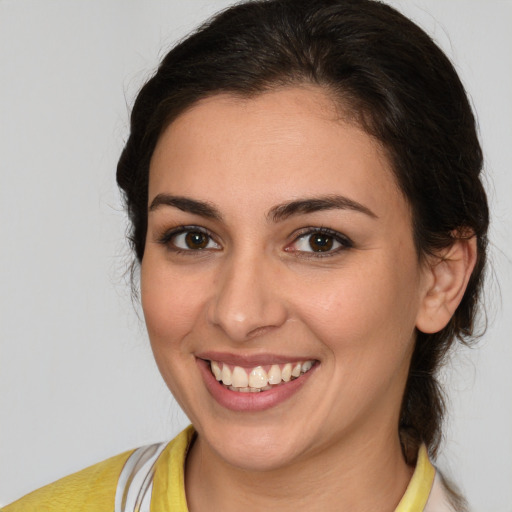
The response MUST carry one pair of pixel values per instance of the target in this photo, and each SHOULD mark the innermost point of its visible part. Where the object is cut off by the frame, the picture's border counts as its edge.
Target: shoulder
(90, 490)
(111, 484)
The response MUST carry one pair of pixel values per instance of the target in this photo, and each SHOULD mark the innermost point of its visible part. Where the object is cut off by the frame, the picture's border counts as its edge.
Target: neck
(361, 473)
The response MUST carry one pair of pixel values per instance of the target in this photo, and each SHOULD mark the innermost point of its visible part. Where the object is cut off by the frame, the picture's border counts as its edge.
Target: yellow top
(93, 489)
(90, 490)
(417, 492)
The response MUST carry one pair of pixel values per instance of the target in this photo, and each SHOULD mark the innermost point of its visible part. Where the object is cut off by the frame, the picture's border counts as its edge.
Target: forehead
(274, 146)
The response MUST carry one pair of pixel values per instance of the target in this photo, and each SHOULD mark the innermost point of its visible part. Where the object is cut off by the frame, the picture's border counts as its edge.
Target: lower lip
(250, 402)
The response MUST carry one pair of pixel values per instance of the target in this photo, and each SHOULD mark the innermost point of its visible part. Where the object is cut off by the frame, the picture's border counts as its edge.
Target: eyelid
(344, 241)
(167, 235)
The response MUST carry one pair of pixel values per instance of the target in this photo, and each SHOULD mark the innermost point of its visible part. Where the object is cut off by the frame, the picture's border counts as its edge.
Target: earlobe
(447, 279)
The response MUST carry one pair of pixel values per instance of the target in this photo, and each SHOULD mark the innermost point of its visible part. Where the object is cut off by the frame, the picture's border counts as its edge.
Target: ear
(446, 279)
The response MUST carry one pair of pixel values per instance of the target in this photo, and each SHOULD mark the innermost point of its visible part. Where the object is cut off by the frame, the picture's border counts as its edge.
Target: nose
(247, 299)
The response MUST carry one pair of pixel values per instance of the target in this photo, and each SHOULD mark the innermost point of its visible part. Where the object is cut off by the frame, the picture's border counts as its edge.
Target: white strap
(135, 484)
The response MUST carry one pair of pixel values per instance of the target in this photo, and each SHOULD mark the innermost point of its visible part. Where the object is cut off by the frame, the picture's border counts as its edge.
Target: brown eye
(320, 242)
(189, 240)
(196, 240)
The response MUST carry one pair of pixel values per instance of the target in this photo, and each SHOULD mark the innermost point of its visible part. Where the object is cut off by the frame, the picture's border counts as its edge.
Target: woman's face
(279, 242)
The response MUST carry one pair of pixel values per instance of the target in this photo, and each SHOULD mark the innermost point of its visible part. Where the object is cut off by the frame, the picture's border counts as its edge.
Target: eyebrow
(185, 204)
(315, 204)
(278, 213)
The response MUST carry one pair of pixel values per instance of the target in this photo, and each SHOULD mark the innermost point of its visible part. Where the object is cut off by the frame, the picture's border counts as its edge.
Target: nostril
(259, 331)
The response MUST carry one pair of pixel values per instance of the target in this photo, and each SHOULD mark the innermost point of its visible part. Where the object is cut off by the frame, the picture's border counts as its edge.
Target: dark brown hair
(394, 82)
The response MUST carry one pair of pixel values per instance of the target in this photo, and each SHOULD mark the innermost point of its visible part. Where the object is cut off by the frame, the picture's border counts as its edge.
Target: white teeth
(306, 366)
(239, 377)
(286, 372)
(258, 378)
(296, 370)
(274, 374)
(216, 370)
(226, 375)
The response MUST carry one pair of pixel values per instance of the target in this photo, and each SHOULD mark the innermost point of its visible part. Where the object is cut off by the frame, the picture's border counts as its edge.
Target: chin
(256, 447)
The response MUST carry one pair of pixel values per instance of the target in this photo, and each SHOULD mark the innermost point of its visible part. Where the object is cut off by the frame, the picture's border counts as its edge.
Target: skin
(258, 288)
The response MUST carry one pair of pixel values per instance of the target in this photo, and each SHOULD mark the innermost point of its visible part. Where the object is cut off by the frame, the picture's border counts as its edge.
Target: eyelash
(343, 240)
(166, 239)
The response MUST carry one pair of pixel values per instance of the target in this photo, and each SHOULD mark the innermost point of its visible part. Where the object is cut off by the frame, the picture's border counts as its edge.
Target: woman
(303, 184)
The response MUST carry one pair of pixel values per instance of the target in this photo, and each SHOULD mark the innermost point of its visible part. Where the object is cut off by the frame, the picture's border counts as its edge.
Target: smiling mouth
(258, 378)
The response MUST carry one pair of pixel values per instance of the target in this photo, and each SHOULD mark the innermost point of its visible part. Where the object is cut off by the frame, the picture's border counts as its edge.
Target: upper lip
(250, 360)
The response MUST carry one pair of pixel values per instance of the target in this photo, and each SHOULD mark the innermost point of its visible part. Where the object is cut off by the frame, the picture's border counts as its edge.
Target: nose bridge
(246, 299)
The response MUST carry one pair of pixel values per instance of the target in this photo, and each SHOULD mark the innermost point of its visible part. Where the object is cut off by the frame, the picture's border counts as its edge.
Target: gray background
(77, 379)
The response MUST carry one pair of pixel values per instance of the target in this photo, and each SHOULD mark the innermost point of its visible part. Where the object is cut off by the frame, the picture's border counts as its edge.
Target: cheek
(366, 327)
(172, 302)
(373, 306)
(172, 305)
